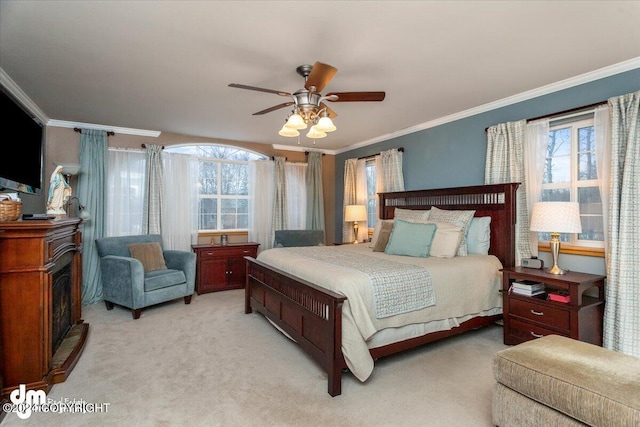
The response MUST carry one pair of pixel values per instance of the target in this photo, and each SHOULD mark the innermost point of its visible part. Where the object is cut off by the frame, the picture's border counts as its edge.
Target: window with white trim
(223, 185)
(570, 175)
(372, 196)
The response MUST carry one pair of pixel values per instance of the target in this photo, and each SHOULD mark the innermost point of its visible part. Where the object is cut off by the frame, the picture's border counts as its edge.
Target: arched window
(223, 185)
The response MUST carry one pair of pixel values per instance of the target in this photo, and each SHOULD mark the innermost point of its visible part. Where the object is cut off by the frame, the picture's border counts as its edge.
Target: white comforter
(464, 287)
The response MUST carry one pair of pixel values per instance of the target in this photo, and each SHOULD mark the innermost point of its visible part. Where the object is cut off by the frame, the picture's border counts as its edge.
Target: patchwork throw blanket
(397, 288)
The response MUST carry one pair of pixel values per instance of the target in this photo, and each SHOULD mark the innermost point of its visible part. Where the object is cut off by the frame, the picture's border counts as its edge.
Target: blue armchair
(151, 277)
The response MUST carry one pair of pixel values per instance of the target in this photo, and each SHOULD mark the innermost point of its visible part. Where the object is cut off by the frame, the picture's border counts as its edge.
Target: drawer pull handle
(537, 313)
(209, 253)
(536, 335)
(246, 252)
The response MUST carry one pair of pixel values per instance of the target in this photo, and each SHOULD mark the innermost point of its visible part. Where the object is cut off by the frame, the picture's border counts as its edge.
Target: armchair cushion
(149, 254)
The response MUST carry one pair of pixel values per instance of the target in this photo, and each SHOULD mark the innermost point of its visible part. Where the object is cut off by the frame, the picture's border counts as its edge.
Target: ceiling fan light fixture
(325, 124)
(315, 133)
(288, 132)
(295, 121)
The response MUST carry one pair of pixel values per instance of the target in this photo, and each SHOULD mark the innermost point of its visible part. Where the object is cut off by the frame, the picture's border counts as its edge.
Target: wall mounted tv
(20, 129)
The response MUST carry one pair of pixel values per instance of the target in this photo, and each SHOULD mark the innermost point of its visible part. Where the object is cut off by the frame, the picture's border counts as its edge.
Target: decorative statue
(59, 193)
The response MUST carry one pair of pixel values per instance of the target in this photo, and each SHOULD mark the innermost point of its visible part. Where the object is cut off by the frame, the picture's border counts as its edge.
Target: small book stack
(527, 287)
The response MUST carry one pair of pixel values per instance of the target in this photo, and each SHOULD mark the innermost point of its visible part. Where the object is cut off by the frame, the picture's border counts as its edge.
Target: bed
(322, 312)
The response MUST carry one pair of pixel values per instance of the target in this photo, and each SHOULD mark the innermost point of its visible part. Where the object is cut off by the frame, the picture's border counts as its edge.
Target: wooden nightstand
(222, 267)
(530, 317)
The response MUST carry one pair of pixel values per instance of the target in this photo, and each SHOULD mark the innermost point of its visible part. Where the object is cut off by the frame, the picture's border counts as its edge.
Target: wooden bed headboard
(495, 200)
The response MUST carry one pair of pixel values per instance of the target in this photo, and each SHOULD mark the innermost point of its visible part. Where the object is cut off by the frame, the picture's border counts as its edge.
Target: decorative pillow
(446, 241)
(479, 235)
(410, 238)
(411, 215)
(376, 232)
(149, 254)
(383, 235)
(459, 218)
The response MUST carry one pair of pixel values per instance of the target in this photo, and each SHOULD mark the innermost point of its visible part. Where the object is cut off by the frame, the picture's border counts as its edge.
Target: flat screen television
(21, 172)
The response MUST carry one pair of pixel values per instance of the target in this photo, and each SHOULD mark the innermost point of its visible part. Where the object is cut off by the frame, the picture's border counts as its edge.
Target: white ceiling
(166, 65)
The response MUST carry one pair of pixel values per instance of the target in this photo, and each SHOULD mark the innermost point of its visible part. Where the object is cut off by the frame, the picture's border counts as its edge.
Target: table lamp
(556, 218)
(355, 213)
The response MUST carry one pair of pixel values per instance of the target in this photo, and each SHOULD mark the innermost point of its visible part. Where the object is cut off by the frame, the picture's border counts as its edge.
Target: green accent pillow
(410, 239)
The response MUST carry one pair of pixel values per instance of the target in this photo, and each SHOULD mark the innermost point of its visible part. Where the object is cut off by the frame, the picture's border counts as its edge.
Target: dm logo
(25, 400)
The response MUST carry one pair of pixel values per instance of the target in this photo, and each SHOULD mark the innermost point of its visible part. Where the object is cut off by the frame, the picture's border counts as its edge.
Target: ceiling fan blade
(277, 92)
(332, 113)
(275, 107)
(321, 75)
(356, 96)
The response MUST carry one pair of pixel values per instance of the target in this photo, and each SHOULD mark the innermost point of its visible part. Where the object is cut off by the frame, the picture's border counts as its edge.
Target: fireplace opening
(61, 305)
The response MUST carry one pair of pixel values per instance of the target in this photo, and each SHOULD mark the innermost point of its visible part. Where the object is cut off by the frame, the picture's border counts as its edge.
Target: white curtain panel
(622, 316)
(261, 192)
(535, 153)
(154, 191)
(391, 171)
(180, 219)
(295, 177)
(505, 163)
(361, 197)
(125, 192)
(349, 198)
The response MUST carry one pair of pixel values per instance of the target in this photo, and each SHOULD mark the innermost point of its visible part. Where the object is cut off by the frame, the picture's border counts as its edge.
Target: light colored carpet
(209, 364)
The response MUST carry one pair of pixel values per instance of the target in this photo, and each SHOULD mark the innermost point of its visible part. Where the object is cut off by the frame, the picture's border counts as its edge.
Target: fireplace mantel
(42, 333)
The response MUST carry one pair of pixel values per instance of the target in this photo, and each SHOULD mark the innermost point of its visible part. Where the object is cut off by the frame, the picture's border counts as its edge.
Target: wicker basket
(9, 209)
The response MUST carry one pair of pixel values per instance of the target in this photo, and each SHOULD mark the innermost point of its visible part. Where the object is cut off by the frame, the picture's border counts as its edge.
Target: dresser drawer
(524, 331)
(226, 252)
(540, 313)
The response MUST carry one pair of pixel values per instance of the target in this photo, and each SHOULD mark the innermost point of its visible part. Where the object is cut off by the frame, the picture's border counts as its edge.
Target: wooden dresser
(42, 333)
(222, 267)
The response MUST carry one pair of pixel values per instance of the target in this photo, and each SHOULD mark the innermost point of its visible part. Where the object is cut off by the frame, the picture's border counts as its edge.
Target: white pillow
(411, 215)
(446, 241)
(479, 235)
(460, 218)
(376, 231)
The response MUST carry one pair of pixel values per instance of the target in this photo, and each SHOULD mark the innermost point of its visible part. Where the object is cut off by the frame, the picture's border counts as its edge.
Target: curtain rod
(401, 149)
(145, 146)
(109, 132)
(560, 113)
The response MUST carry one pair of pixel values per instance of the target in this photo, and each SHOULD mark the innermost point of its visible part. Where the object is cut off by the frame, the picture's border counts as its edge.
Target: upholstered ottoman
(558, 381)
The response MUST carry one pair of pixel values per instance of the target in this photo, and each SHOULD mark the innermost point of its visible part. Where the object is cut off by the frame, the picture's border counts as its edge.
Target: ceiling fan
(308, 102)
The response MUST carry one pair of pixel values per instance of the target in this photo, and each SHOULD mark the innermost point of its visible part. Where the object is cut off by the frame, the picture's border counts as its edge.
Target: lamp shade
(70, 168)
(296, 121)
(355, 213)
(288, 132)
(315, 133)
(556, 217)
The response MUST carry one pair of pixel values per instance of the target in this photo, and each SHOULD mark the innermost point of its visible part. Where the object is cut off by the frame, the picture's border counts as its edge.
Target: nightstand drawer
(536, 312)
(524, 331)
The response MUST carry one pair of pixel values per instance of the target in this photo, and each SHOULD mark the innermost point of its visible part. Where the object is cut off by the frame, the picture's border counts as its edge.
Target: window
(571, 175)
(223, 186)
(372, 196)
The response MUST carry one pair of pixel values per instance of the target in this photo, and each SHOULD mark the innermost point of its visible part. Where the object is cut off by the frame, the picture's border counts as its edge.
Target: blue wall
(453, 154)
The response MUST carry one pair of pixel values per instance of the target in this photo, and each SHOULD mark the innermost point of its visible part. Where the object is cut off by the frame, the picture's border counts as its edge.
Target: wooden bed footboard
(311, 315)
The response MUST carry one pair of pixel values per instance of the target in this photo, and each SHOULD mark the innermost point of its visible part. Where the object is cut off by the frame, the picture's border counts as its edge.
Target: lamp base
(556, 270)
(355, 232)
(554, 246)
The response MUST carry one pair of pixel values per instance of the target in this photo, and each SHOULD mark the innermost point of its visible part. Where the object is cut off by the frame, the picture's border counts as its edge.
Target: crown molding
(611, 70)
(127, 131)
(15, 91)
